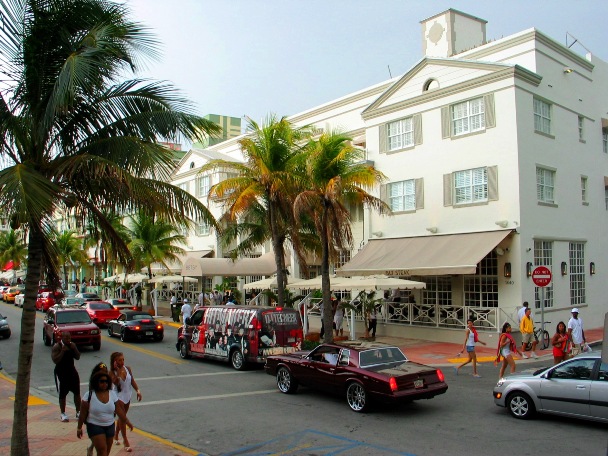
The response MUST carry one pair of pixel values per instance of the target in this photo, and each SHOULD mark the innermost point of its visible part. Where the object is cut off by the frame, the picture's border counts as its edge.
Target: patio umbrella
(172, 278)
(268, 283)
(114, 278)
(380, 282)
(336, 283)
(135, 278)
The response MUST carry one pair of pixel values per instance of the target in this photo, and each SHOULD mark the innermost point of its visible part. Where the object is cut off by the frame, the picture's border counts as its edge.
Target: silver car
(575, 388)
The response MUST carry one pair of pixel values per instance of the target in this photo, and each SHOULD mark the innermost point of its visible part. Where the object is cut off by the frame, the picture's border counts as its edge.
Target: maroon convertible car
(363, 372)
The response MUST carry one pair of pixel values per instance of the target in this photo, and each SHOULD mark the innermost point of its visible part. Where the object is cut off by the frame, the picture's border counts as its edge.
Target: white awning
(176, 267)
(427, 255)
(264, 265)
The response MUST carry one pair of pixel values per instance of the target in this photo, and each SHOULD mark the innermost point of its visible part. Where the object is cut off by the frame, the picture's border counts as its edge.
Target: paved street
(214, 410)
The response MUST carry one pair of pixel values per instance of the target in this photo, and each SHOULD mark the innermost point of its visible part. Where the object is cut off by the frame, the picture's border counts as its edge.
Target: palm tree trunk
(328, 317)
(279, 257)
(19, 439)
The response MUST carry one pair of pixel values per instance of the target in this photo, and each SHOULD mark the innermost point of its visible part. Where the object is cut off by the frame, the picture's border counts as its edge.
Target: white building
(496, 155)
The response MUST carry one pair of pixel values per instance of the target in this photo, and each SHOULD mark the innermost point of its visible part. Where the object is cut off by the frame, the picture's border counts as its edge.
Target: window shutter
(417, 119)
(446, 129)
(447, 189)
(488, 101)
(382, 131)
(492, 183)
(420, 193)
(384, 193)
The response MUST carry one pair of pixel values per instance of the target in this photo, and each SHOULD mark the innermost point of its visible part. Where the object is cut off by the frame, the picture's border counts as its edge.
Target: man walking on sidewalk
(576, 333)
(63, 355)
(526, 326)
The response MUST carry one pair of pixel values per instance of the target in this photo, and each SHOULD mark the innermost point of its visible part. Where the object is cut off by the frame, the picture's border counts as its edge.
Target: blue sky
(254, 57)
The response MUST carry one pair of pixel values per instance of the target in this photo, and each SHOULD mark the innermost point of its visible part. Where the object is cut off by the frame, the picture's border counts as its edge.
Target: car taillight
(393, 384)
(159, 326)
(256, 324)
(440, 375)
(137, 328)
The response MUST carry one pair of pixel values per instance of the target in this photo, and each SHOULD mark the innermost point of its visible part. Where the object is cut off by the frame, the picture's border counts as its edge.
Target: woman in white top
(98, 406)
(470, 340)
(124, 384)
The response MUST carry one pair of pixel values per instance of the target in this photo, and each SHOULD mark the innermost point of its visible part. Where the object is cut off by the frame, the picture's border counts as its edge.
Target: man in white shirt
(522, 311)
(576, 334)
(186, 311)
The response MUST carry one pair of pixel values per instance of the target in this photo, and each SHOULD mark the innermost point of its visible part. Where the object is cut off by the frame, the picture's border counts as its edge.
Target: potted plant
(363, 305)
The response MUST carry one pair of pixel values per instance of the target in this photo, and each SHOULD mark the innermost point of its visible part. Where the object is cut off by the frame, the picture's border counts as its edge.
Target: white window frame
(542, 116)
(183, 186)
(402, 195)
(576, 257)
(543, 256)
(471, 186)
(468, 116)
(584, 189)
(545, 185)
(400, 134)
(605, 140)
(203, 184)
(202, 228)
(581, 128)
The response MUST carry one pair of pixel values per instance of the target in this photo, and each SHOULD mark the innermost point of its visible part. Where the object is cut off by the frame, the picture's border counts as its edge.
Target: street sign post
(541, 276)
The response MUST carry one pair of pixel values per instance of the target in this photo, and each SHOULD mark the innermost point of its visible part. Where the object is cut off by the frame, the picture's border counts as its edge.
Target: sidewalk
(49, 436)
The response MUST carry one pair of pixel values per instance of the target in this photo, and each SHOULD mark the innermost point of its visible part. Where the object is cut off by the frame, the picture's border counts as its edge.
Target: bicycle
(541, 333)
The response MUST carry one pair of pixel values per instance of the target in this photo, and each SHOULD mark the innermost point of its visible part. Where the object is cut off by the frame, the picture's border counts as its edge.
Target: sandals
(116, 442)
(128, 449)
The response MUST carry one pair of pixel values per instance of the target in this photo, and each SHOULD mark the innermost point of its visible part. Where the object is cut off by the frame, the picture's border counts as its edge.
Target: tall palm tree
(96, 237)
(259, 199)
(78, 136)
(69, 251)
(338, 178)
(153, 241)
(12, 249)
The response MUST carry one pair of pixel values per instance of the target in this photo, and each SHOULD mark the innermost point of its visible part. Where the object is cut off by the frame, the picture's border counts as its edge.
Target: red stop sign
(541, 276)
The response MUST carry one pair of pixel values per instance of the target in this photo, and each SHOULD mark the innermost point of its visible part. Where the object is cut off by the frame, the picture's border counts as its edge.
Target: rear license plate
(291, 339)
(418, 383)
(149, 333)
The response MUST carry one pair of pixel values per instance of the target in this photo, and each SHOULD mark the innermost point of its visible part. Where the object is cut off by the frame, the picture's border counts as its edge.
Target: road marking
(203, 398)
(171, 359)
(177, 446)
(164, 377)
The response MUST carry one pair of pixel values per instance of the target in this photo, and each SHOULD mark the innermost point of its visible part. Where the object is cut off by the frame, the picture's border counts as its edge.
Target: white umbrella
(381, 282)
(114, 278)
(134, 278)
(336, 283)
(172, 278)
(268, 283)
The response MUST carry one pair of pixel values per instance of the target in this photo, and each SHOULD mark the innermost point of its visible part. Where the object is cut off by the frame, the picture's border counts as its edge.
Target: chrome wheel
(183, 350)
(237, 360)
(356, 397)
(286, 383)
(520, 405)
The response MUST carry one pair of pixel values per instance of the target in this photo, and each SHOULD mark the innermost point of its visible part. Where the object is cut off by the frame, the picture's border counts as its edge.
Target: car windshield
(73, 317)
(141, 316)
(100, 306)
(381, 356)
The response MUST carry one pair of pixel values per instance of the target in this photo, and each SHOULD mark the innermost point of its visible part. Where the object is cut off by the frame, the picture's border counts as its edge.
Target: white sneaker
(77, 415)
(534, 355)
(65, 418)
(523, 355)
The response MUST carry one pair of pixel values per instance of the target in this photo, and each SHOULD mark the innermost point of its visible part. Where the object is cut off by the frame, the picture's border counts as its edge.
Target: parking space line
(203, 398)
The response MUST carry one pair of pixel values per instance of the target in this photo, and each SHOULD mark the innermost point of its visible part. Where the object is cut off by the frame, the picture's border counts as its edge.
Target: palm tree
(95, 237)
(153, 241)
(69, 251)
(338, 178)
(12, 249)
(259, 199)
(78, 137)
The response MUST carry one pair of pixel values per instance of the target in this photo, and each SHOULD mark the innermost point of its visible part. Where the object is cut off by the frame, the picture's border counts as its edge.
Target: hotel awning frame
(447, 254)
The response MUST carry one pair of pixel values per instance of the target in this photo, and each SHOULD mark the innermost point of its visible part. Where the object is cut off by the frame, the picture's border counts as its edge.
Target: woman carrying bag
(98, 407)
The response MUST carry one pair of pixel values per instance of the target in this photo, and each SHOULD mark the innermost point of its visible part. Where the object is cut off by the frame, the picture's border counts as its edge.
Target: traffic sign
(541, 276)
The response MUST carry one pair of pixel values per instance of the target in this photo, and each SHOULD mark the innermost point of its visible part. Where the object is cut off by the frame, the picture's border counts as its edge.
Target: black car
(5, 329)
(135, 324)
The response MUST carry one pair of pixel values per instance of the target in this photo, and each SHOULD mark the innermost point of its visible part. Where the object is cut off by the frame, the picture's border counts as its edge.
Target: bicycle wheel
(545, 340)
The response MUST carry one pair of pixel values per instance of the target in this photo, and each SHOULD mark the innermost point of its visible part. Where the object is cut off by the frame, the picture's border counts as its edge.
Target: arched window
(430, 84)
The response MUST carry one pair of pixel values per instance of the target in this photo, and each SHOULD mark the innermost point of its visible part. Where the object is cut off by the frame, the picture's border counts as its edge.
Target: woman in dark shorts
(98, 407)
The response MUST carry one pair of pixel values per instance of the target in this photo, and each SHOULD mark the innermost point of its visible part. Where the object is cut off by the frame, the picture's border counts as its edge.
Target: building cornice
(497, 46)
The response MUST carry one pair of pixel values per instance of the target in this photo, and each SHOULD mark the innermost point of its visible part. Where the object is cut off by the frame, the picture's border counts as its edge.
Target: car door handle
(581, 387)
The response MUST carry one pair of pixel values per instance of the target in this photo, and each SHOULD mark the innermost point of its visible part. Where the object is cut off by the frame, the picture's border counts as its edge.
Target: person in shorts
(470, 339)
(63, 354)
